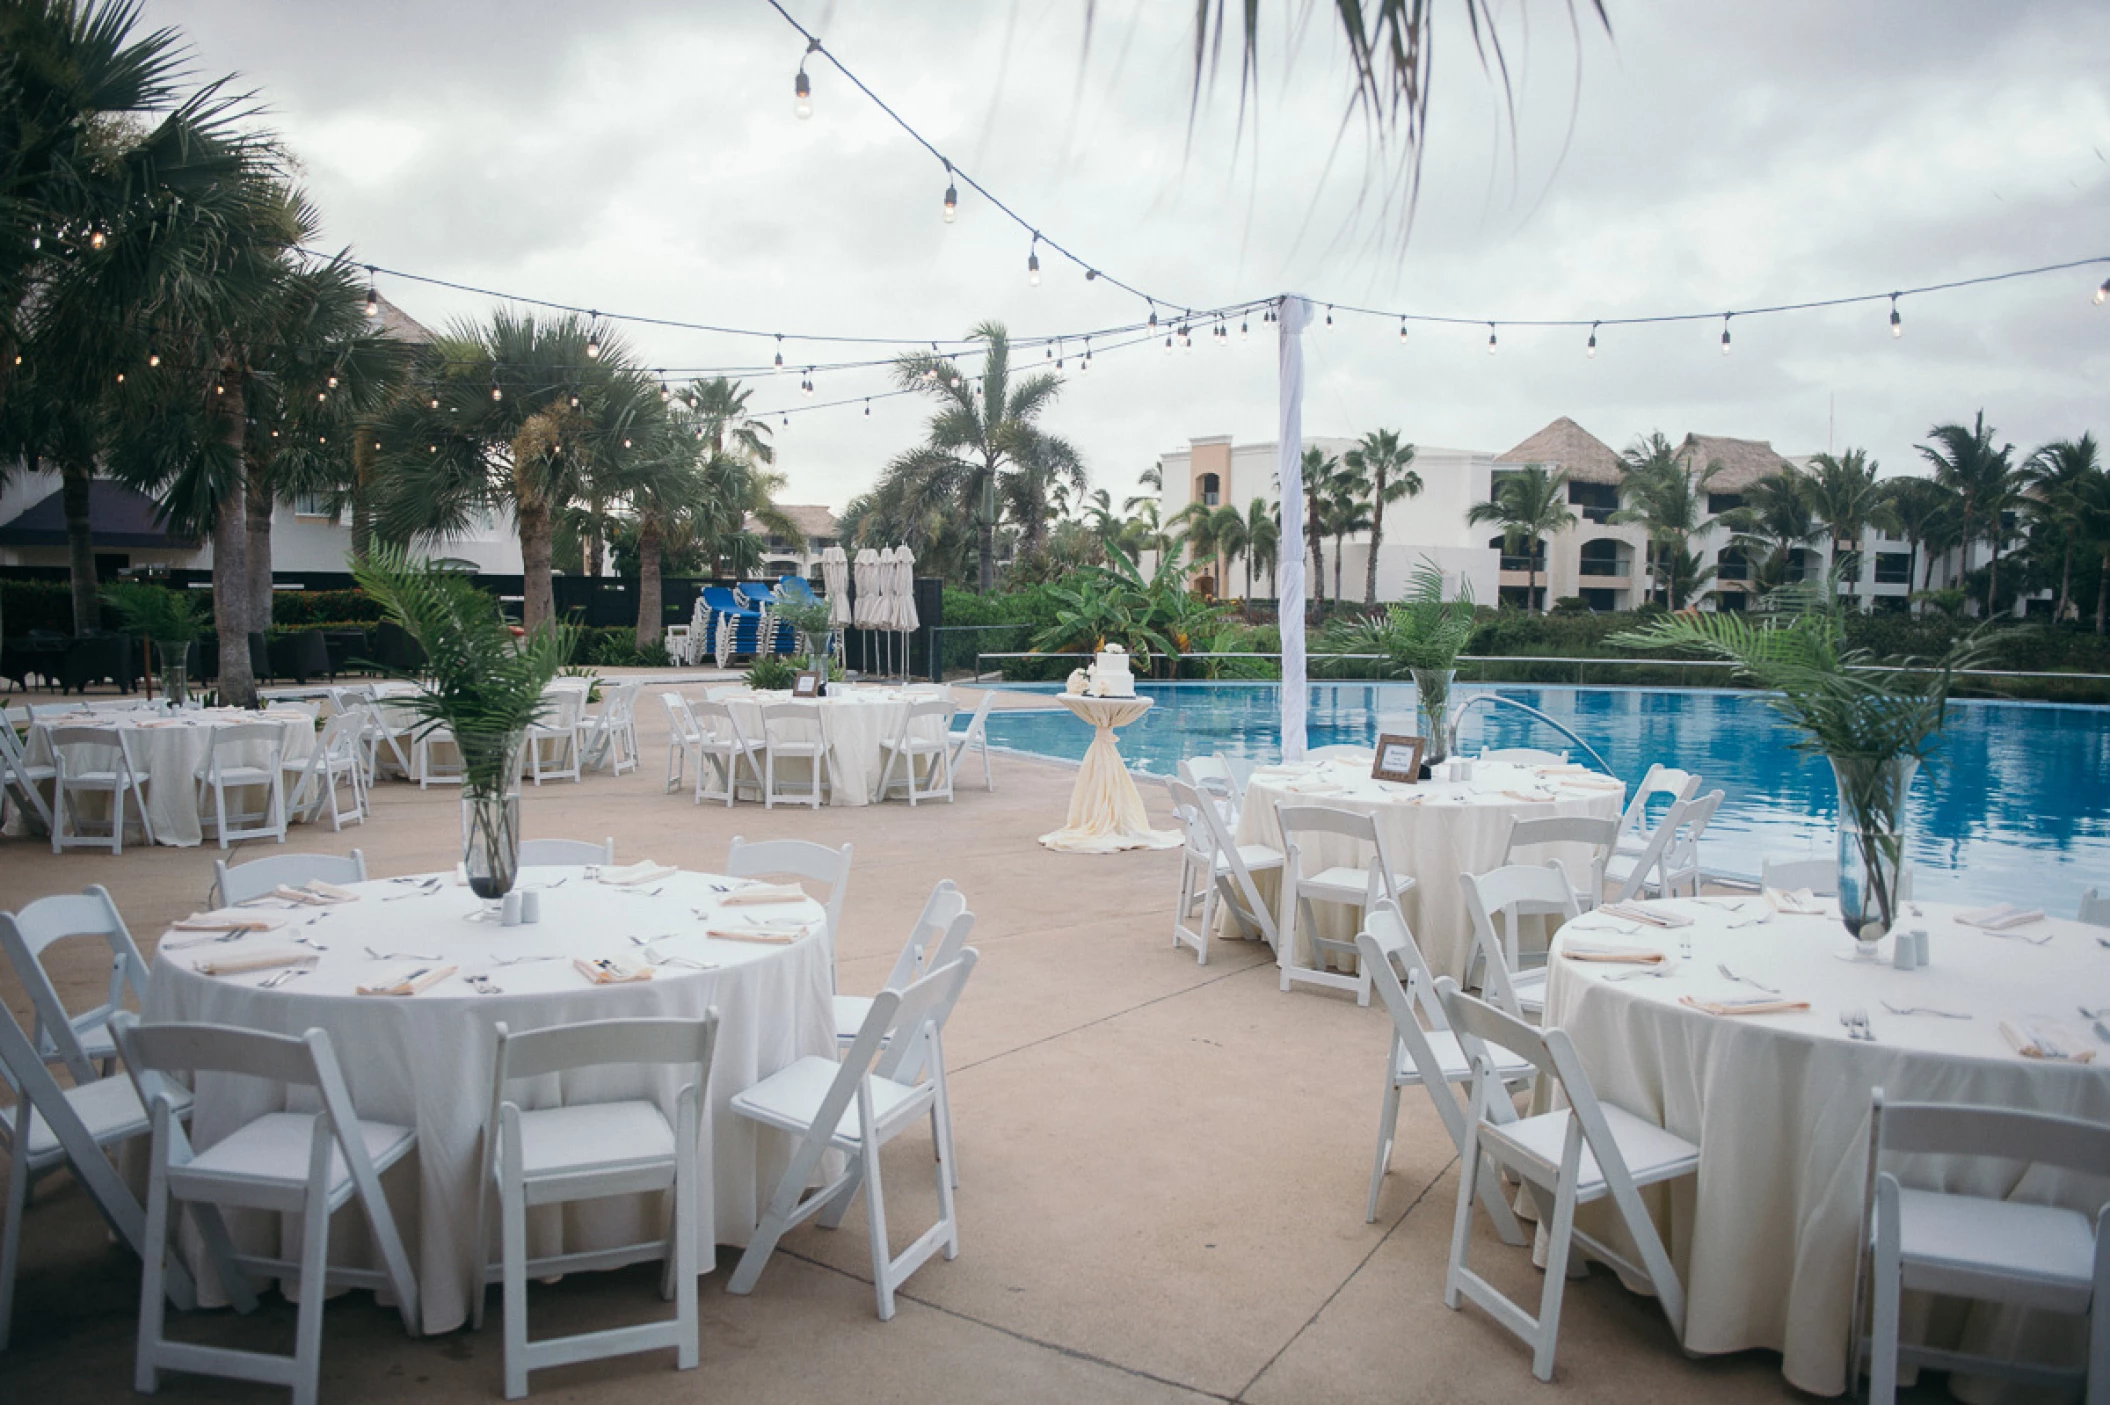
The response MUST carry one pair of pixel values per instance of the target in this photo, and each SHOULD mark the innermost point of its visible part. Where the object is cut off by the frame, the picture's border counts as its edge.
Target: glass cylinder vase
(491, 810)
(175, 673)
(1873, 842)
(1432, 712)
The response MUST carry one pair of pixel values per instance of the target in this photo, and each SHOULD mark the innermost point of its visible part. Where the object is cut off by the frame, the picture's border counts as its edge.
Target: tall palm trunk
(2102, 593)
(538, 603)
(1992, 580)
(1339, 552)
(2065, 581)
(1531, 575)
(230, 554)
(75, 479)
(1248, 578)
(257, 504)
(362, 501)
(648, 583)
(985, 534)
(1377, 539)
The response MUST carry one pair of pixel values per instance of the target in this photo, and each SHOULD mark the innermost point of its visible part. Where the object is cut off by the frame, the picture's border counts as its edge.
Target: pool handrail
(1458, 717)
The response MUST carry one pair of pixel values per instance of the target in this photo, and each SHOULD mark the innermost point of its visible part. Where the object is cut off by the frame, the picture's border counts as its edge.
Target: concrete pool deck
(1163, 1165)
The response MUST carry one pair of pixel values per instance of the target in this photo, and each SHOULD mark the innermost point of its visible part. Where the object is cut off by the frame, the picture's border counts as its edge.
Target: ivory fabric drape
(1106, 812)
(1293, 314)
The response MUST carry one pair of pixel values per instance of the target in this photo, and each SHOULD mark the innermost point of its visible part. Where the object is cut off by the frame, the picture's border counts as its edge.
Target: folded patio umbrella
(867, 573)
(903, 605)
(835, 579)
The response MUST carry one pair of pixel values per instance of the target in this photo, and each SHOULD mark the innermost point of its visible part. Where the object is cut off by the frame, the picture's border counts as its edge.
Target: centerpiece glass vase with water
(491, 815)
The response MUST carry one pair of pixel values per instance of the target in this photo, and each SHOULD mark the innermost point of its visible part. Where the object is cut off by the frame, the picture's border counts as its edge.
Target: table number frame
(1393, 747)
(806, 683)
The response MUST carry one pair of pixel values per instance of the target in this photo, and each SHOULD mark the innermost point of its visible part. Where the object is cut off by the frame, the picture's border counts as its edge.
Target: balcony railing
(1605, 568)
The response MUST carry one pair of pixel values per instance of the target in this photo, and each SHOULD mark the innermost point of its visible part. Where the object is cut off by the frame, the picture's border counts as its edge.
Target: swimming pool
(2015, 806)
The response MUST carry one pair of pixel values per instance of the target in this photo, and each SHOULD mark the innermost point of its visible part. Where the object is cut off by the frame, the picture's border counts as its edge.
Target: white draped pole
(1293, 314)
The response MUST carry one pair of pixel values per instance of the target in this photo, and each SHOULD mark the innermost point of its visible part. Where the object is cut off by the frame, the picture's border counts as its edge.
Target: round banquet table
(169, 749)
(1432, 830)
(1106, 812)
(1779, 1106)
(425, 1061)
(853, 722)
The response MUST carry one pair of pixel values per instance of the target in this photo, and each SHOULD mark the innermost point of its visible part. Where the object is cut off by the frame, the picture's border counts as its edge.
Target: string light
(1490, 339)
(1243, 334)
(436, 402)
(787, 421)
(333, 382)
(1153, 317)
(373, 299)
(321, 396)
(120, 377)
(807, 386)
(1897, 323)
(1591, 350)
(664, 394)
(1086, 363)
(626, 443)
(952, 195)
(96, 237)
(802, 87)
(1725, 334)
(868, 407)
(153, 358)
(780, 351)
(2102, 294)
(1033, 261)
(496, 393)
(575, 402)
(1168, 344)
(1329, 317)
(1402, 330)
(593, 336)
(1091, 275)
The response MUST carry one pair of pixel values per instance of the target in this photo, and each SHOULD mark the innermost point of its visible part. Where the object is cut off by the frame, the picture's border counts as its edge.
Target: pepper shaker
(509, 910)
(530, 908)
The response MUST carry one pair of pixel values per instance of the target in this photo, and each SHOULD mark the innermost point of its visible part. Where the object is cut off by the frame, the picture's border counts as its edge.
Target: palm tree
(1926, 515)
(1263, 539)
(1842, 492)
(1347, 512)
(1986, 483)
(1662, 494)
(1198, 535)
(2093, 502)
(984, 453)
(1232, 544)
(1152, 478)
(1774, 520)
(1529, 505)
(1388, 465)
(1319, 471)
(2056, 477)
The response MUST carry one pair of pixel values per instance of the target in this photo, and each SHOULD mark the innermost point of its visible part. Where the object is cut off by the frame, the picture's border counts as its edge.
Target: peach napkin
(1625, 955)
(419, 979)
(2000, 917)
(251, 961)
(224, 922)
(750, 934)
(1653, 916)
(1764, 1005)
(644, 872)
(763, 893)
(2042, 1039)
(610, 970)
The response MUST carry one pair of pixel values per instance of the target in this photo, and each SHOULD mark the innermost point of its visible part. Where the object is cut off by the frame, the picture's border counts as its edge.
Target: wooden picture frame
(1398, 758)
(806, 683)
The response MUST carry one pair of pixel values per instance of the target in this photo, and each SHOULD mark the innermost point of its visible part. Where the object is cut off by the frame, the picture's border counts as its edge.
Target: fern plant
(1423, 632)
(172, 619)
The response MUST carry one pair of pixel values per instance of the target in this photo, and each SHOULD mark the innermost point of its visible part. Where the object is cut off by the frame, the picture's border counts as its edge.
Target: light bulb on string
(593, 336)
(626, 443)
(1402, 330)
(802, 86)
(787, 421)
(1591, 350)
(1091, 275)
(575, 402)
(780, 351)
(868, 407)
(1168, 344)
(435, 402)
(219, 390)
(1725, 334)
(432, 448)
(373, 299)
(322, 438)
(1153, 317)
(1033, 261)
(1329, 317)
(2102, 294)
(321, 396)
(333, 379)
(952, 195)
(496, 393)
(96, 237)
(1243, 333)
(664, 394)
(1897, 323)
(1086, 363)
(809, 382)
(1490, 339)
(153, 358)
(120, 377)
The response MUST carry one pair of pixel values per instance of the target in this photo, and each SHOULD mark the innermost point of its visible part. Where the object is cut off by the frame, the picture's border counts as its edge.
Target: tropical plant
(1319, 470)
(1667, 499)
(771, 673)
(1115, 603)
(1924, 513)
(1529, 505)
(1843, 494)
(984, 457)
(171, 618)
(1263, 543)
(1386, 465)
(1423, 632)
(809, 620)
(2058, 478)
(479, 680)
(1347, 509)
(1986, 484)
(1771, 524)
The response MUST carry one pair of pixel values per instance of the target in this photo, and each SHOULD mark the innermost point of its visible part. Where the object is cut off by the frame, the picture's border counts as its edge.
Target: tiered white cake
(1110, 674)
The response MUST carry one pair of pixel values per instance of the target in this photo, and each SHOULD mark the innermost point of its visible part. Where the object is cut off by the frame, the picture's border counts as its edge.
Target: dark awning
(117, 516)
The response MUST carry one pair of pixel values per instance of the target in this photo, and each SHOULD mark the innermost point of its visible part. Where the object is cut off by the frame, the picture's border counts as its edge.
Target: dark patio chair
(301, 656)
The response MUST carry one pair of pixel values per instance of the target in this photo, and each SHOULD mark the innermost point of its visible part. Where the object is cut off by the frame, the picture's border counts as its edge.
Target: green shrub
(770, 673)
(27, 605)
(308, 609)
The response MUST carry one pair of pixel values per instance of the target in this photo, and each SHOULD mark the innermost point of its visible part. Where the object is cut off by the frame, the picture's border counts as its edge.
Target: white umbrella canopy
(904, 601)
(867, 574)
(835, 580)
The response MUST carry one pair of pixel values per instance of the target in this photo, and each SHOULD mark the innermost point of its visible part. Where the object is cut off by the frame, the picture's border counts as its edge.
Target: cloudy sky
(645, 158)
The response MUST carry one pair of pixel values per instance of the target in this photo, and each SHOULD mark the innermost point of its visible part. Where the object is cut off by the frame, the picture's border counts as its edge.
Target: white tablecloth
(169, 750)
(854, 722)
(1779, 1107)
(1433, 831)
(426, 1061)
(1106, 814)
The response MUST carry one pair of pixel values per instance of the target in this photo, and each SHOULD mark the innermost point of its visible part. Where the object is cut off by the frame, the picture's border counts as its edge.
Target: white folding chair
(308, 1164)
(925, 735)
(2095, 906)
(430, 769)
(683, 736)
(801, 858)
(54, 1127)
(1820, 876)
(94, 760)
(227, 769)
(1212, 776)
(854, 1106)
(578, 1150)
(335, 761)
(1522, 756)
(2042, 1257)
(553, 743)
(974, 737)
(382, 730)
(1305, 830)
(1600, 835)
(79, 1041)
(941, 930)
(1586, 1152)
(565, 853)
(1429, 1058)
(721, 747)
(609, 738)
(1661, 783)
(238, 883)
(1510, 892)
(1339, 753)
(1640, 874)
(793, 732)
(21, 780)
(1216, 868)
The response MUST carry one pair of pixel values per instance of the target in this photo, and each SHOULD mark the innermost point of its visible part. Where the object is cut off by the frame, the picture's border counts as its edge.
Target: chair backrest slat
(930, 939)
(551, 853)
(535, 1052)
(2008, 1134)
(800, 857)
(240, 882)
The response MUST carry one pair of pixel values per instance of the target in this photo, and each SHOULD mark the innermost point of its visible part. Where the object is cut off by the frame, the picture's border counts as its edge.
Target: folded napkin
(2042, 1039)
(1760, 1005)
(251, 961)
(1624, 955)
(1797, 902)
(315, 893)
(225, 922)
(2000, 917)
(1653, 916)
(645, 871)
(411, 983)
(763, 893)
(1528, 796)
(1313, 787)
(610, 970)
(1591, 781)
(1562, 768)
(753, 934)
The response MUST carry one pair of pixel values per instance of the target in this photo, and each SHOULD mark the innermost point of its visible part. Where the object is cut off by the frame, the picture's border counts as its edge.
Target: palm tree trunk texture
(362, 504)
(1531, 575)
(74, 482)
(985, 535)
(230, 558)
(2102, 594)
(256, 504)
(2065, 582)
(538, 602)
(1377, 539)
(648, 584)
(1992, 580)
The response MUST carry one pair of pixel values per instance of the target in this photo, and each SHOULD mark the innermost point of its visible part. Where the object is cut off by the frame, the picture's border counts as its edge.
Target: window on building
(313, 505)
(1598, 501)
(1893, 568)
(778, 543)
(1523, 597)
(1732, 565)
(1802, 564)
(1719, 503)
(1208, 490)
(1603, 601)
(1534, 560)
(1602, 558)
(1730, 602)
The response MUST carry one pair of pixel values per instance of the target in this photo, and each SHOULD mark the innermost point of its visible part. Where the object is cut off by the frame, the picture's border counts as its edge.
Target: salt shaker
(1905, 952)
(509, 910)
(1919, 946)
(530, 908)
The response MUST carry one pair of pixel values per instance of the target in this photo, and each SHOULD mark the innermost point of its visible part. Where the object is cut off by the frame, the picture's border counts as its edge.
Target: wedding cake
(1110, 675)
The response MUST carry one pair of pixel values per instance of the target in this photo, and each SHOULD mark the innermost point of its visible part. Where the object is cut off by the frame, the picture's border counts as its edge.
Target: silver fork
(1729, 975)
(1846, 1022)
(205, 941)
(425, 890)
(1868, 1032)
(1638, 972)
(1922, 1010)
(279, 978)
(399, 955)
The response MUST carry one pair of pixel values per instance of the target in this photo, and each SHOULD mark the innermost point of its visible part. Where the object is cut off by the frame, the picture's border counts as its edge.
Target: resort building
(800, 555)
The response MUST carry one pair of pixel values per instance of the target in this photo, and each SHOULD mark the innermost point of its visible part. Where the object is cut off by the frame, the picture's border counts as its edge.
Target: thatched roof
(813, 519)
(397, 323)
(1566, 445)
(1743, 461)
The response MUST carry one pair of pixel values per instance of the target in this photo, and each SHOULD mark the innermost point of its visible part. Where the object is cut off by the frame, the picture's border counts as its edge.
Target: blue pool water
(2015, 806)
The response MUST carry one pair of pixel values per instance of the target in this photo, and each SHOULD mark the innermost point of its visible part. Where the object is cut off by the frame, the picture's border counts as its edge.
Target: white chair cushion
(1456, 1069)
(791, 1098)
(1651, 1153)
(594, 1137)
(273, 1150)
(109, 1108)
(1968, 1246)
